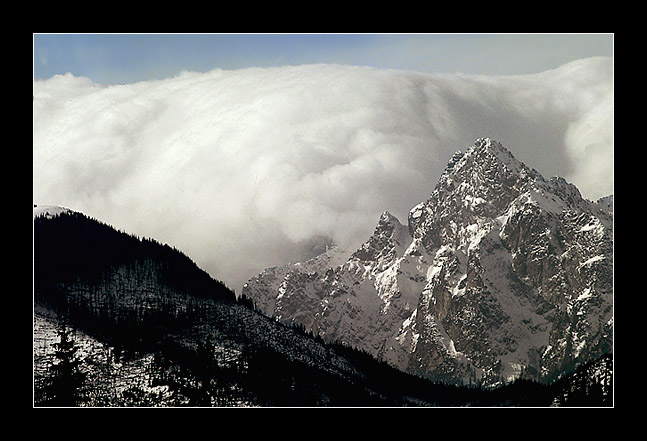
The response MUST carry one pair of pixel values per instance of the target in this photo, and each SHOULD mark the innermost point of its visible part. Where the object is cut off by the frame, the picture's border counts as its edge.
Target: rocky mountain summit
(500, 274)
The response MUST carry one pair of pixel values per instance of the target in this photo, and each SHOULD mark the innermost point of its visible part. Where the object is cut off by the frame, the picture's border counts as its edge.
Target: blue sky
(127, 58)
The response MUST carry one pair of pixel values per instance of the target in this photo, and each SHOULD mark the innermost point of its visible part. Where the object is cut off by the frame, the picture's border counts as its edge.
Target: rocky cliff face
(499, 274)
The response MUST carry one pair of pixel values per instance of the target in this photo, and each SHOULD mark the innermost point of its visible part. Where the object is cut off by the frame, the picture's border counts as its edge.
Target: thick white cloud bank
(246, 169)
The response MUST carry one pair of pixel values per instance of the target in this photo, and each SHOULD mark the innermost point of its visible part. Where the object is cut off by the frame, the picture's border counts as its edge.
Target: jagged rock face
(500, 273)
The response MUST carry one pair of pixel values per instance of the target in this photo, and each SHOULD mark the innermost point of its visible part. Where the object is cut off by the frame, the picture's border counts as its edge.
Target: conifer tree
(66, 379)
(205, 373)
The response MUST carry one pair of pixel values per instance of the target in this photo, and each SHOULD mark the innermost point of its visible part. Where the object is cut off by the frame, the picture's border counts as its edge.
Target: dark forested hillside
(72, 246)
(115, 285)
(153, 329)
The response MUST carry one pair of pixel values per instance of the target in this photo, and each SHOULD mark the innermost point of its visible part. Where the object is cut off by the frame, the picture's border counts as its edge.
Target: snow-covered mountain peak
(488, 151)
(487, 171)
(492, 146)
(476, 188)
(500, 274)
(487, 182)
(387, 218)
(389, 238)
(490, 159)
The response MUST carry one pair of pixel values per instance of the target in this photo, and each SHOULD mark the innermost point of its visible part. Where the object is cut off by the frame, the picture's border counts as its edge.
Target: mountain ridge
(490, 273)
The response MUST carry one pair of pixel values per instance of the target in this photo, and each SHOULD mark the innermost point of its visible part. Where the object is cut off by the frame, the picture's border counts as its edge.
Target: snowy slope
(49, 210)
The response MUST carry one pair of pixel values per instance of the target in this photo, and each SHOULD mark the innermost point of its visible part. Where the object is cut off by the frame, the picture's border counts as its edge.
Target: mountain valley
(497, 292)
